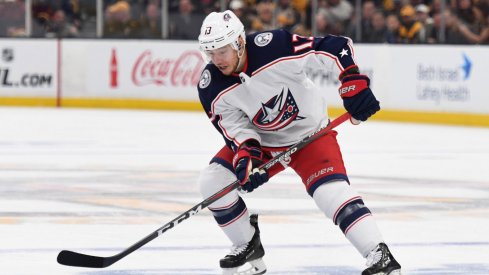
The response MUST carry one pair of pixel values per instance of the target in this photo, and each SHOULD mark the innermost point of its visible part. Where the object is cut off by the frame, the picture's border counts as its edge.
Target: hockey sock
(342, 204)
(235, 222)
(365, 235)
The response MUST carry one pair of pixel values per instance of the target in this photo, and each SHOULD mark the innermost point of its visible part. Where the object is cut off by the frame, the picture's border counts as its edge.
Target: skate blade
(255, 267)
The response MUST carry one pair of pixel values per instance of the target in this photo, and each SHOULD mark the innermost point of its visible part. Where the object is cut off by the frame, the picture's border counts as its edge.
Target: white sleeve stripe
(334, 57)
(213, 110)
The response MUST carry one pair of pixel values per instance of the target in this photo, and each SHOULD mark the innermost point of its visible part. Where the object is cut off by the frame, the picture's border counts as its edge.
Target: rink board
(434, 84)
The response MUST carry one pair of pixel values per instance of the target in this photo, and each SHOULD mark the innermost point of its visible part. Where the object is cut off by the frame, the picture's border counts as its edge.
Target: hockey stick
(71, 258)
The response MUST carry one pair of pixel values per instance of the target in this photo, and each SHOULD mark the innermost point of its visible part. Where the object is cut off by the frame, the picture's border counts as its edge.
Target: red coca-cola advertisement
(143, 70)
(178, 71)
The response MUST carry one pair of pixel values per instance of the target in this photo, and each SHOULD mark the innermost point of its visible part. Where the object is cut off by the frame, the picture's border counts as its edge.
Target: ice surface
(97, 181)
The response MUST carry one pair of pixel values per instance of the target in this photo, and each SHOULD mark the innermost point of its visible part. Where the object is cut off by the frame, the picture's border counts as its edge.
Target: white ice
(97, 181)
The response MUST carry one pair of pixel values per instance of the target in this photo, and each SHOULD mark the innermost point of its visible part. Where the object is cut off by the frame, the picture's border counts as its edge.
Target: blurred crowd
(365, 21)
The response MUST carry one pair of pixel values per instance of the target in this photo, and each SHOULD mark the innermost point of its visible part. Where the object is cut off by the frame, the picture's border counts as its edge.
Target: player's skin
(226, 59)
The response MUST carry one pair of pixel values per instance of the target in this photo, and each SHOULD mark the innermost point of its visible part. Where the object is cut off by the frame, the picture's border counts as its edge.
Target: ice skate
(381, 262)
(246, 259)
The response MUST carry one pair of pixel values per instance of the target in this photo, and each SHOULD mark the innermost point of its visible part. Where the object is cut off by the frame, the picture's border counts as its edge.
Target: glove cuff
(250, 143)
(251, 148)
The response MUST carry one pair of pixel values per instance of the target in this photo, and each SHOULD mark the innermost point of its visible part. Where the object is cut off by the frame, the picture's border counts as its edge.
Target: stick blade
(71, 258)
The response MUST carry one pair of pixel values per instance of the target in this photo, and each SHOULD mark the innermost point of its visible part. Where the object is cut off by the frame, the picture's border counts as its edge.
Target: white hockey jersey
(272, 100)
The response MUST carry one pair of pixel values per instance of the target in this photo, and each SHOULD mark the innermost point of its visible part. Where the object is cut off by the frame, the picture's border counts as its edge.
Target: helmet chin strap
(241, 60)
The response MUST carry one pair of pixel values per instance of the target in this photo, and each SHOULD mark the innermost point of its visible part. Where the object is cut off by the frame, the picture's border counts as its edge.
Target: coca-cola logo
(181, 71)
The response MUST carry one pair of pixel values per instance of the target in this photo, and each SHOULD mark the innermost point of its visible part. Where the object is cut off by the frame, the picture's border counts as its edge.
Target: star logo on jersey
(344, 52)
(277, 112)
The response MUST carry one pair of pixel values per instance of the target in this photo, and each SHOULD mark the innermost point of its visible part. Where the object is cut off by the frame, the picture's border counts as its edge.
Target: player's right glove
(246, 162)
(357, 97)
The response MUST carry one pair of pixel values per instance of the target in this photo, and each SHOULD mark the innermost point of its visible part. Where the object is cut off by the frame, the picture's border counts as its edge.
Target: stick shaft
(77, 259)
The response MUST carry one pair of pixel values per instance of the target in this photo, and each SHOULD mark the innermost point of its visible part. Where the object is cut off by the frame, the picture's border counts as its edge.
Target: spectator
(264, 19)
(410, 29)
(119, 23)
(379, 29)
(423, 16)
(451, 34)
(338, 14)
(339, 11)
(185, 24)
(390, 6)
(72, 11)
(208, 6)
(469, 19)
(241, 10)
(58, 26)
(359, 35)
(393, 25)
(139, 9)
(435, 7)
(42, 11)
(466, 21)
(482, 37)
(323, 26)
(84, 17)
(12, 18)
(464, 11)
(305, 27)
(287, 16)
(300, 5)
(150, 26)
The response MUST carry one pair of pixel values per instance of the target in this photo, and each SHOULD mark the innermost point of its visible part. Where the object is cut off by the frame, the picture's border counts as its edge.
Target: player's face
(225, 59)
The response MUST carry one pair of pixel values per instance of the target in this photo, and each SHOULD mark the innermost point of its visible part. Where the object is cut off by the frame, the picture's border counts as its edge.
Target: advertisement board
(28, 68)
(429, 83)
(440, 79)
(422, 78)
(131, 69)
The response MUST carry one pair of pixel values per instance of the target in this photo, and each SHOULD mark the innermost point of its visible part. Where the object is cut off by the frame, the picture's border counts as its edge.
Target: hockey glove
(246, 162)
(357, 97)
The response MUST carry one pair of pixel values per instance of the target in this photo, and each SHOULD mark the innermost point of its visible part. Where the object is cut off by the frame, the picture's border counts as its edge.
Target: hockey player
(257, 95)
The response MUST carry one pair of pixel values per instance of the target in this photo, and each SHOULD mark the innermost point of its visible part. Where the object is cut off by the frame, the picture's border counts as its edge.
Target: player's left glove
(246, 162)
(357, 97)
